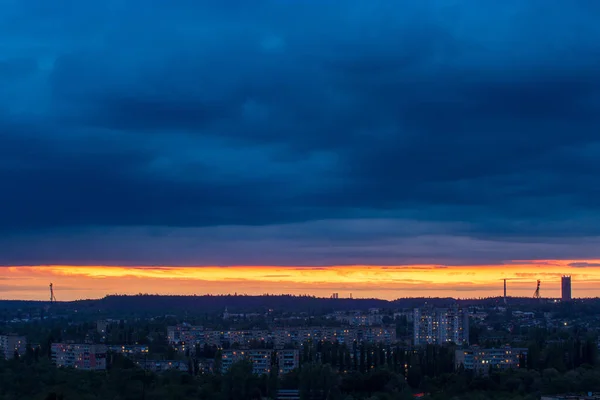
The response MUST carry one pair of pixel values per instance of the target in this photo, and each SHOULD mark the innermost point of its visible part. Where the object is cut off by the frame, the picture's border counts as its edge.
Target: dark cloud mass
(299, 132)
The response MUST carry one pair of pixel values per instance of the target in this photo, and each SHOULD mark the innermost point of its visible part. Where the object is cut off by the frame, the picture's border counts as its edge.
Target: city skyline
(315, 142)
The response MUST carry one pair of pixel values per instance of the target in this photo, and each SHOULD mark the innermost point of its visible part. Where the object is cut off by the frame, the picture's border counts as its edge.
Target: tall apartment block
(11, 344)
(441, 325)
(88, 357)
(565, 285)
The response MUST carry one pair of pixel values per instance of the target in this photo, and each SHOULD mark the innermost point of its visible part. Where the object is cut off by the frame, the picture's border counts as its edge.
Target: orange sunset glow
(386, 282)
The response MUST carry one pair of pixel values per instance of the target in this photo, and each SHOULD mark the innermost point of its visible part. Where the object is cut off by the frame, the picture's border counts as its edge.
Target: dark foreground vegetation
(31, 380)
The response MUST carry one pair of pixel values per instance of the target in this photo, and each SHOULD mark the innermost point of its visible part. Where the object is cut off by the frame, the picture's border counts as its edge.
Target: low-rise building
(483, 360)
(129, 349)
(285, 336)
(89, 357)
(262, 360)
(185, 333)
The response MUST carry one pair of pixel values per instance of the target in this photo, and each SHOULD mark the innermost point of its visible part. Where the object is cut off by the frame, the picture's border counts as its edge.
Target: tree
(239, 383)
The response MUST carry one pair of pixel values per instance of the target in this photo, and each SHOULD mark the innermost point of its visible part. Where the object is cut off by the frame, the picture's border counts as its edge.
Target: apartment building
(440, 325)
(482, 360)
(89, 357)
(128, 349)
(288, 360)
(282, 337)
(11, 344)
(186, 337)
(243, 338)
(359, 319)
(263, 360)
(185, 333)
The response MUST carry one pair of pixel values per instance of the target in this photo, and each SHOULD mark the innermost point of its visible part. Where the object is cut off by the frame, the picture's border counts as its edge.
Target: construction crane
(52, 297)
(536, 294)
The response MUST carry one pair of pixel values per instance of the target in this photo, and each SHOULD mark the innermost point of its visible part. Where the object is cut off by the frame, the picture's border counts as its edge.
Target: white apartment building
(9, 344)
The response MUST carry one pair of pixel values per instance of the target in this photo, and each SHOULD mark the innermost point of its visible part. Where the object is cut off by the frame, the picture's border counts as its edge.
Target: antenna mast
(52, 297)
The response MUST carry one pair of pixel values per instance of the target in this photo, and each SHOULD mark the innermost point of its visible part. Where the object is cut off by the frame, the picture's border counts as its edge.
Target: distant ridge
(157, 304)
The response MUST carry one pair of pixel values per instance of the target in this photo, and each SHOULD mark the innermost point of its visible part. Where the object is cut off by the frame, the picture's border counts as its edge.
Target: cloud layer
(299, 132)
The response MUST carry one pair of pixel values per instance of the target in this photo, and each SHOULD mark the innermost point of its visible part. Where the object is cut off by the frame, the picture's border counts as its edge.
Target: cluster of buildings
(276, 349)
(440, 325)
(279, 337)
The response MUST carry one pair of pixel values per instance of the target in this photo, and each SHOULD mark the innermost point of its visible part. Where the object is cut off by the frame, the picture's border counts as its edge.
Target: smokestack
(505, 291)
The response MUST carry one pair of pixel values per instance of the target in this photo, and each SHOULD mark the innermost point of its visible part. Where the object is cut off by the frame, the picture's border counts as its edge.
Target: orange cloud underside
(387, 282)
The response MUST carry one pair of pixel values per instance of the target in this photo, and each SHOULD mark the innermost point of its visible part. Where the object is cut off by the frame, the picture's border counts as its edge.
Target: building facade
(185, 333)
(137, 349)
(11, 345)
(483, 360)
(182, 337)
(263, 360)
(288, 360)
(440, 325)
(88, 357)
(565, 285)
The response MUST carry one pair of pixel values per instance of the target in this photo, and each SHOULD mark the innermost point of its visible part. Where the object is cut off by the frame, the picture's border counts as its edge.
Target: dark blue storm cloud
(298, 132)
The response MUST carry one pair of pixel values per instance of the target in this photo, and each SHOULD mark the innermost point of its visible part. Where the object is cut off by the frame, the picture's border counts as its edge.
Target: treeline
(155, 303)
(38, 380)
(562, 355)
(364, 357)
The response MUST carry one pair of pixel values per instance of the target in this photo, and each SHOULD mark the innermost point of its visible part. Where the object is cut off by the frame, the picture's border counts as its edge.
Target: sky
(298, 146)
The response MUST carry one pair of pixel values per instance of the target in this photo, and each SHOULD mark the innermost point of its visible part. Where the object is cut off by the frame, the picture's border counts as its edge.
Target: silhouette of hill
(157, 304)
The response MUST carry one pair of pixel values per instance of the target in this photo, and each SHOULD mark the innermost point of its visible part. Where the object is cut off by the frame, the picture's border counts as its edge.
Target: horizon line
(303, 295)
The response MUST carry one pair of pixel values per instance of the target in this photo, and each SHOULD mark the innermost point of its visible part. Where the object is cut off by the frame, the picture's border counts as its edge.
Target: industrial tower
(52, 297)
(536, 294)
(565, 286)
